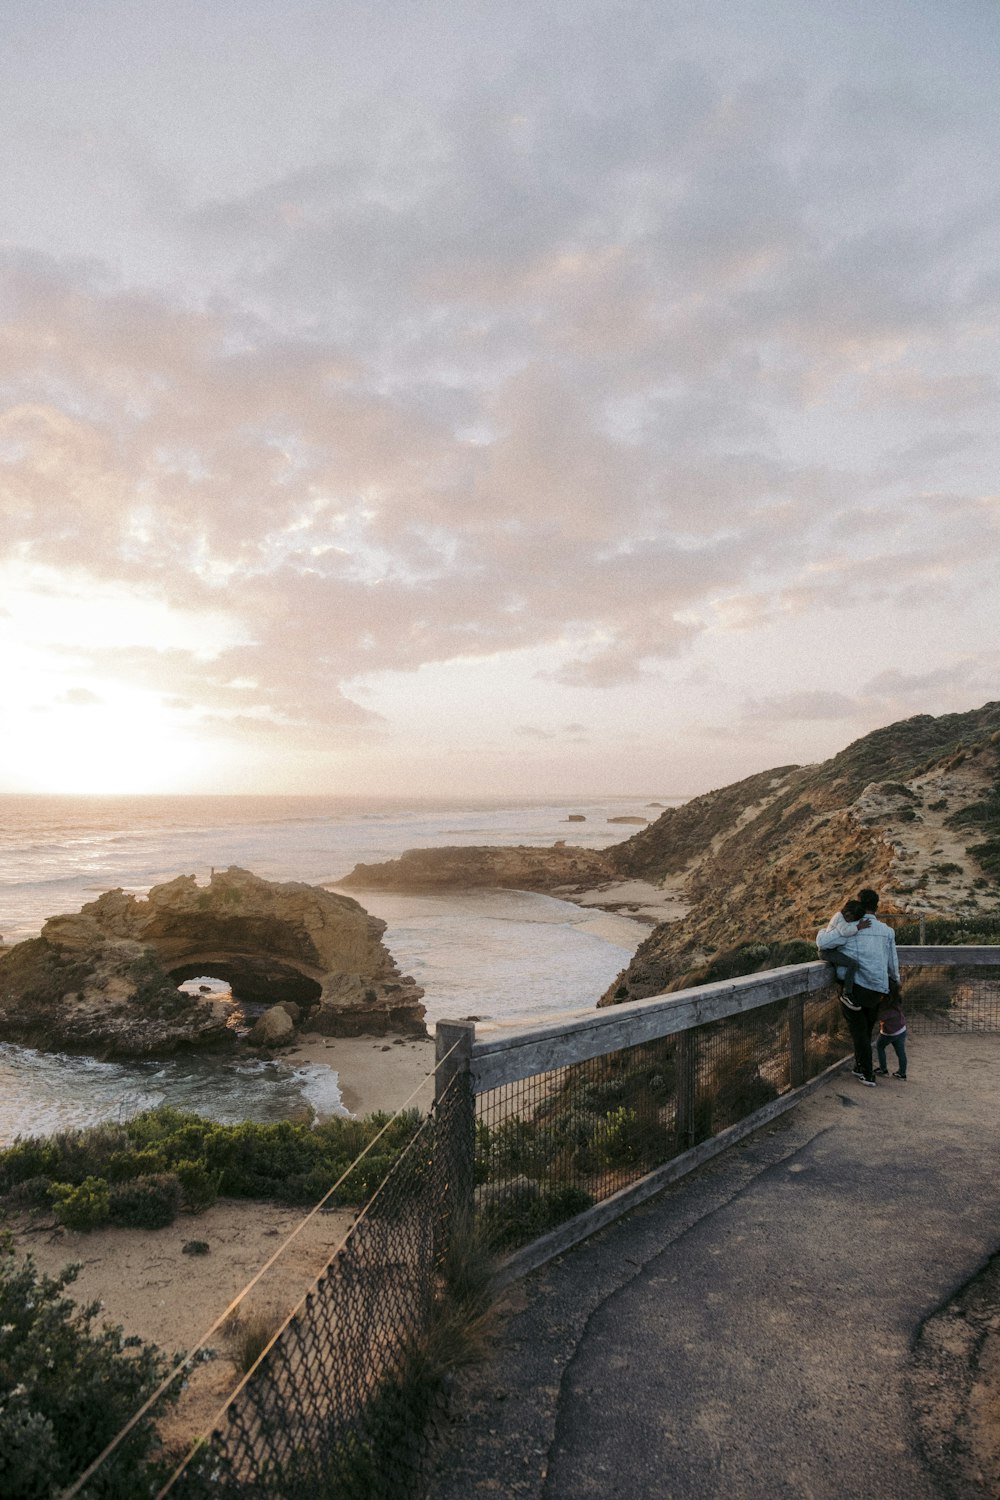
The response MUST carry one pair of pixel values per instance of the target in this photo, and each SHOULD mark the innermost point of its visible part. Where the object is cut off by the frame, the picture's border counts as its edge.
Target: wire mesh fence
(939, 1000)
(552, 1145)
(340, 1403)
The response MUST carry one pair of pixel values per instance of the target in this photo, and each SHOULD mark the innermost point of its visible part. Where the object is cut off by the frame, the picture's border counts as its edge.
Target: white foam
(321, 1086)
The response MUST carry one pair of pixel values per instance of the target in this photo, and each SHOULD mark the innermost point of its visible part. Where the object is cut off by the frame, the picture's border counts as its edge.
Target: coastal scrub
(66, 1389)
(142, 1172)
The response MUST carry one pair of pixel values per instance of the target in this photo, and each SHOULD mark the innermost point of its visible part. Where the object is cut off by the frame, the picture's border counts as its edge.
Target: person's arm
(893, 957)
(831, 938)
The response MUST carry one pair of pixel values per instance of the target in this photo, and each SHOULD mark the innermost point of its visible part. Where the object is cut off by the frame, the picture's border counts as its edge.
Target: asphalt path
(748, 1333)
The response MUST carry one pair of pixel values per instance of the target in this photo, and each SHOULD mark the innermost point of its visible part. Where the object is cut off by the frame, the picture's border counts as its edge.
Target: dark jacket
(891, 1020)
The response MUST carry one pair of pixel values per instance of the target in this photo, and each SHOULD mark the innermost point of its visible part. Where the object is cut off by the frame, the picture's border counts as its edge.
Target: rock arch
(105, 979)
(273, 941)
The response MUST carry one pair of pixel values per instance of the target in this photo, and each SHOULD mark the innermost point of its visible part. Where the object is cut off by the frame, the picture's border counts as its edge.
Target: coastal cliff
(912, 809)
(105, 980)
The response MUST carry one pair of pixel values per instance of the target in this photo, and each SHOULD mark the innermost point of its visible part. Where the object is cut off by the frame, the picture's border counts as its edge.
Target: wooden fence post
(796, 1042)
(455, 1107)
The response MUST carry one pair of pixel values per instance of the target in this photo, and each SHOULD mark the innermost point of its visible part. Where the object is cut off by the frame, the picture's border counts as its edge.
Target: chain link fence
(341, 1404)
(939, 999)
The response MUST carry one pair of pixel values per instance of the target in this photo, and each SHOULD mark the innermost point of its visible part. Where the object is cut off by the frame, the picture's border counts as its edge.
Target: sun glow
(123, 746)
(68, 722)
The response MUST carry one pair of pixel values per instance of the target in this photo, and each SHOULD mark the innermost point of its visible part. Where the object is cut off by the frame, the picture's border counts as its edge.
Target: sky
(492, 398)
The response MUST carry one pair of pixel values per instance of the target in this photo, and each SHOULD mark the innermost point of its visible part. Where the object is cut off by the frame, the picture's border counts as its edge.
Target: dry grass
(248, 1335)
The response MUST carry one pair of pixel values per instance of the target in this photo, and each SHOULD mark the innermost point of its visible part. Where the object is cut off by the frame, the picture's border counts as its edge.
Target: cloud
(548, 334)
(788, 707)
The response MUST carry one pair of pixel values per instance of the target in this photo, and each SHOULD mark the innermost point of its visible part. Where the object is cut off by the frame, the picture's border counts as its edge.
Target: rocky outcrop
(105, 980)
(521, 867)
(78, 989)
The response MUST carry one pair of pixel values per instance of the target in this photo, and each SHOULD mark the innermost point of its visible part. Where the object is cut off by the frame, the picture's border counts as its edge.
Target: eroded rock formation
(521, 867)
(105, 980)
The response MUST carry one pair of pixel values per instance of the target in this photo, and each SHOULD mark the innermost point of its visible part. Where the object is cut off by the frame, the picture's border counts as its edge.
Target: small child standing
(842, 925)
(891, 1032)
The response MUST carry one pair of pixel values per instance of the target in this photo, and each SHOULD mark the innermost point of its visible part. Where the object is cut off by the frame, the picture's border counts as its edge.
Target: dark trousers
(861, 1024)
(898, 1045)
(839, 960)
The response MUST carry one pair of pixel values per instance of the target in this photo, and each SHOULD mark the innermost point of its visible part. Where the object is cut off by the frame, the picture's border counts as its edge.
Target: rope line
(165, 1384)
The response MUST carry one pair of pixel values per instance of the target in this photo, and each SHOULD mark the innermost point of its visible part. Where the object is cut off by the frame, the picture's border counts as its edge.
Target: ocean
(483, 953)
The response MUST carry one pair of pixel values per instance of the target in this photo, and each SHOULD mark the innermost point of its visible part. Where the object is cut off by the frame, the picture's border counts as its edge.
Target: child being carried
(844, 924)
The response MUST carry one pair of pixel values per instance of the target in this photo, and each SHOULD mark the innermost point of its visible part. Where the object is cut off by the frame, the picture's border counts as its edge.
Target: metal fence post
(455, 1110)
(796, 1042)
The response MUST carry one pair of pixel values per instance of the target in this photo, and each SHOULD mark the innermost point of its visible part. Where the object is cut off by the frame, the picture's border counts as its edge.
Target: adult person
(873, 947)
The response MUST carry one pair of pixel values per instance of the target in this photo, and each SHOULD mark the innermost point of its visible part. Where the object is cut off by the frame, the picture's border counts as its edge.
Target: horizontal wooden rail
(506, 1059)
(515, 1055)
(941, 956)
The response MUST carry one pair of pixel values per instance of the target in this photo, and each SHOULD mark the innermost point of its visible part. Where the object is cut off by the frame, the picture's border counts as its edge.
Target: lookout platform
(751, 1331)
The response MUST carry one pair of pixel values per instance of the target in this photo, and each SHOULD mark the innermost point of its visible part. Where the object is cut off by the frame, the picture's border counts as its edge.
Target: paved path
(747, 1333)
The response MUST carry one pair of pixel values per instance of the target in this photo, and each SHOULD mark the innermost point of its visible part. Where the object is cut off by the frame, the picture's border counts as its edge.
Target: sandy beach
(639, 900)
(374, 1073)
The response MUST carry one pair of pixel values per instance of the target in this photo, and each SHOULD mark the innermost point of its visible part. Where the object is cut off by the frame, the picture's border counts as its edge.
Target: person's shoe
(900, 1076)
(869, 1083)
(884, 1073)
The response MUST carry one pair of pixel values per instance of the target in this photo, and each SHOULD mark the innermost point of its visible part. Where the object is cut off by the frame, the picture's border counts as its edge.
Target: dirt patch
(954, 1387)
(148, 1285)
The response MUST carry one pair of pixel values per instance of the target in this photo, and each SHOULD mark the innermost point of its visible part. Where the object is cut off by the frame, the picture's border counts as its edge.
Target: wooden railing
(494, 1062)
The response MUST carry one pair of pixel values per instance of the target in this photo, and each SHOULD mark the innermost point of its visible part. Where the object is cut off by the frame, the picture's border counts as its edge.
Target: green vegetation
(947, 931)
(66, 1390)
(984, 817)
(747, 958)
(249, 1333)
(143, 1172)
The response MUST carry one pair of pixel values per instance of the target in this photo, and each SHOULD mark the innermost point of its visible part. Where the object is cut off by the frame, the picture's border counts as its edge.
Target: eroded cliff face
(911, 810)
(105, 980)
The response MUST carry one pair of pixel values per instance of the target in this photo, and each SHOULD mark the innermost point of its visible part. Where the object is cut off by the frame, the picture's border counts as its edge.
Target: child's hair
(853, 910)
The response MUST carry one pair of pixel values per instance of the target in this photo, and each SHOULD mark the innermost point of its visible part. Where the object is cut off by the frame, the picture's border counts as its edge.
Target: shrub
(292, 1163)
(199, 1186)
(748, 958)
(622, 1140)
(123, 1165)
(145, 1202)
(85, 1207)
(32, 1192)
(67, 1390)
(26, 1159)
(927, 994)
